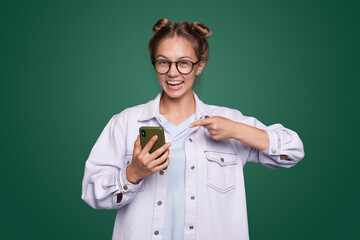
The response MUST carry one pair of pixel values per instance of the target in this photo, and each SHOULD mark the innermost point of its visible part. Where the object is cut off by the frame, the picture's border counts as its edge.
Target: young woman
(195, 190)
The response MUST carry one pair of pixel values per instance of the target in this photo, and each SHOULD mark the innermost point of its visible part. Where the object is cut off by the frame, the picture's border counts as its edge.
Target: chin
(176, 94)
(173, 95)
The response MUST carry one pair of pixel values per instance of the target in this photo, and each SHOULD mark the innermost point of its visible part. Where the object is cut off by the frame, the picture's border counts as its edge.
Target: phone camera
(143, 133)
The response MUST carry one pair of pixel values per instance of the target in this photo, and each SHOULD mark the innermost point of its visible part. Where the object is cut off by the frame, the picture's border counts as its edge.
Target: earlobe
(201, 67)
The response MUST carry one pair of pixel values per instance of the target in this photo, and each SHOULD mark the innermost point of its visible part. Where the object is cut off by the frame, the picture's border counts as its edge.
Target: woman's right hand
(145, 164)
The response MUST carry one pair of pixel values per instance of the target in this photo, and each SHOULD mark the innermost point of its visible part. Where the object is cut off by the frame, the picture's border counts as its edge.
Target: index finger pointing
(201, 122)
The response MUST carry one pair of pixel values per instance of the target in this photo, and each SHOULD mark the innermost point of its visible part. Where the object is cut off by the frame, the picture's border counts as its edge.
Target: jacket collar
(151, 109)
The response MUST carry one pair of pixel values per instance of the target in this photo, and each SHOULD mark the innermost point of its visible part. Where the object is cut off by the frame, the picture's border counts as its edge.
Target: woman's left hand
(220, 128)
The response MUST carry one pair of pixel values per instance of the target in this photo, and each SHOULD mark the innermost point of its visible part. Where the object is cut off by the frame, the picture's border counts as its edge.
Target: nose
(173, 72)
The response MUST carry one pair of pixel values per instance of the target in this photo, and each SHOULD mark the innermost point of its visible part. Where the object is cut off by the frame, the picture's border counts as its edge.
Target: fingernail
(169, 144)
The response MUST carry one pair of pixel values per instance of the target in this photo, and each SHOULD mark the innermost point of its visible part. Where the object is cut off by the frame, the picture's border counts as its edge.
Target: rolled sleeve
(128, 190)
(127, 186)
(282, 141)
(274, 144)
(105, 185)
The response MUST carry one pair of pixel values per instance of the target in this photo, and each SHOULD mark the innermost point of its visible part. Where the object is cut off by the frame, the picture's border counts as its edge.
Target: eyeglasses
(163, 66)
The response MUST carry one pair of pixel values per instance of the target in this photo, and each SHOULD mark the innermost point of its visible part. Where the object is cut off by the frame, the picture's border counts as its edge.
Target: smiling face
(175, 84)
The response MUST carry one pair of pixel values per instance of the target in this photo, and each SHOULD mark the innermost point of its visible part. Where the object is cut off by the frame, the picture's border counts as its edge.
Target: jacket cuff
(274, 144)
(126, 186)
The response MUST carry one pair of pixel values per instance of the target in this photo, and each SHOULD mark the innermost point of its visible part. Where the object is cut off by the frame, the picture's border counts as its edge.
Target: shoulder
(130, 113)
(136, 110)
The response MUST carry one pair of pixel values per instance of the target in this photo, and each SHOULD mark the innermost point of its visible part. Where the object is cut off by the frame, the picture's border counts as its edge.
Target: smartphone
(146, 133)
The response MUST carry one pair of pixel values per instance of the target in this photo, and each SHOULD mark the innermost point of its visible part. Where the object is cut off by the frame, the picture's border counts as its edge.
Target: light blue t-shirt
(174, 217)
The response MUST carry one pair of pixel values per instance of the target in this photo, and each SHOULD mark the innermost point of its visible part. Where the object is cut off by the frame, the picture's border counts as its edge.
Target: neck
(177, 110)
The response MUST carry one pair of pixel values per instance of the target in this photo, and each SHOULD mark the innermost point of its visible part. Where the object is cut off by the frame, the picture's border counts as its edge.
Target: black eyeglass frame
(176, 65)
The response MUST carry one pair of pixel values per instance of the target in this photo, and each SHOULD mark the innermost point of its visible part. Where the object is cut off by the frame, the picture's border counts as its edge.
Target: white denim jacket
(215, 204)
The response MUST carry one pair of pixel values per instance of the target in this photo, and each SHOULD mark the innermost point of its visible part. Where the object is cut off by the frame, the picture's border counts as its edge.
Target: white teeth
(174, 82)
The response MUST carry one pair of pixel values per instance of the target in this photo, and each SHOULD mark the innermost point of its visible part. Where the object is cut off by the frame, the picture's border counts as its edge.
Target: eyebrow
(160, 55)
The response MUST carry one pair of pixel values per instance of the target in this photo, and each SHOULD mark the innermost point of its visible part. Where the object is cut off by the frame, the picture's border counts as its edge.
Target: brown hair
(196, 33)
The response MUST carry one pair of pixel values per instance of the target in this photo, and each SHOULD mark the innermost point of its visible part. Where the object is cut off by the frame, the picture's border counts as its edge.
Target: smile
(174, 83)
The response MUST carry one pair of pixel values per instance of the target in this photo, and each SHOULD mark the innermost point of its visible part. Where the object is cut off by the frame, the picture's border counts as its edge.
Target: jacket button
(192, 167)
(191, 227)
(192, 198)
(126, 187)
(190, 140)
(161, 172)
(156, 232)
(222, 159)
(273, 151)
(159, 203)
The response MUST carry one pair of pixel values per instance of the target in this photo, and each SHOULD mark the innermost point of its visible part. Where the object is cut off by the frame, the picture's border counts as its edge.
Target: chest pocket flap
(221, 170)
(223, 159)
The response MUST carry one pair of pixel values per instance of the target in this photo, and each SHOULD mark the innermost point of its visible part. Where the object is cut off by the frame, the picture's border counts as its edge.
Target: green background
(68, 66)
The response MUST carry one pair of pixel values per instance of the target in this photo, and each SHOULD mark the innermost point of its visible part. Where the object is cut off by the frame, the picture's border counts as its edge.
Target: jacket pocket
(221, 170)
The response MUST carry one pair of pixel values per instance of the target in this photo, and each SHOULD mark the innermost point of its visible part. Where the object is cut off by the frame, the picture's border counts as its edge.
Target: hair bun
(160, 24)
(201, 29)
